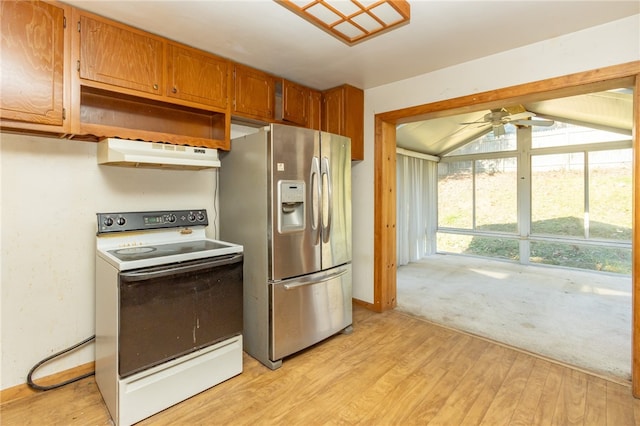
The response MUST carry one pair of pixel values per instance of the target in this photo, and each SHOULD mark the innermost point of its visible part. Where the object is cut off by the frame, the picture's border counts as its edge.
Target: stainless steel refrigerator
(285, 195)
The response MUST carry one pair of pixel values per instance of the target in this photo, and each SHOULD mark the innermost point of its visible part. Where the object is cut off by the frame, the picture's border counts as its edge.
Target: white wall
(51, 190)
(610, 44)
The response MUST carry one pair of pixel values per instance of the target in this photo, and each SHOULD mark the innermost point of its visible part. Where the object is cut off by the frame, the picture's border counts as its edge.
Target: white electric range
(168, 310)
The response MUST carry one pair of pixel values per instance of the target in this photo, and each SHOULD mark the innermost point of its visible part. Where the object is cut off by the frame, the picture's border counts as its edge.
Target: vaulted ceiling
(609, 110)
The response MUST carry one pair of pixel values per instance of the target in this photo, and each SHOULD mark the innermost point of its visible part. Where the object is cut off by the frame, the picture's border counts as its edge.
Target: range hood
(128, 153)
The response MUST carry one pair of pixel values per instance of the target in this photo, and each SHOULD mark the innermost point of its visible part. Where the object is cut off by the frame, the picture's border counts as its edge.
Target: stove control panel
(137, 221)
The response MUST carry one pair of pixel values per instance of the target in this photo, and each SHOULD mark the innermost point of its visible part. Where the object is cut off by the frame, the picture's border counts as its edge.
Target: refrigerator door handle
(311, 280)
(314, 180)
(326, 173)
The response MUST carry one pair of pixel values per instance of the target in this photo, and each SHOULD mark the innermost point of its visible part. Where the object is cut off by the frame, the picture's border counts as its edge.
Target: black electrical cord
(57, 385)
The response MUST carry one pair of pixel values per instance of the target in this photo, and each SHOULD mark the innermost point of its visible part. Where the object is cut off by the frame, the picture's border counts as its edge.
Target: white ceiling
(265, 35)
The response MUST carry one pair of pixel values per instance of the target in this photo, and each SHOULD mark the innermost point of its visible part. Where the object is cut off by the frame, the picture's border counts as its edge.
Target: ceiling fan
(516, 115)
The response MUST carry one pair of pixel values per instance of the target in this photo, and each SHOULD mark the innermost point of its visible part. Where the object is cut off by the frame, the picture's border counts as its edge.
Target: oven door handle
(159, 273)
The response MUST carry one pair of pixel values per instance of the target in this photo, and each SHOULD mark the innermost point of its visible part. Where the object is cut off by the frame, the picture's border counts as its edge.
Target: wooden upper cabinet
(343, 114)
(32, 55)
(136, 85)
(315, 110)
(295, 103)
(119, 55)
(333, 111)
(196, 76)
(254, 93)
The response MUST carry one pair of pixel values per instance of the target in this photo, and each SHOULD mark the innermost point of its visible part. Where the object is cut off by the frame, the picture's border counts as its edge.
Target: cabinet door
(333, 111)
(254, 93)
(196, 76)
(32, 46)
(354, 120)
(295, 103)
(315, 110)
(343, 114)
(115, 54)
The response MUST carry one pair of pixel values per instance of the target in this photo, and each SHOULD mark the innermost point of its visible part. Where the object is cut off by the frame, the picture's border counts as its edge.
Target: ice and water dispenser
(291, 206)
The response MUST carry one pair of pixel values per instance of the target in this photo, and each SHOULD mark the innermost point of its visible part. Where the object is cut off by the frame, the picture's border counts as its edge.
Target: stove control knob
(200, 216)
(108, 221)
(172, 218)
(121, 221)
(191, 217)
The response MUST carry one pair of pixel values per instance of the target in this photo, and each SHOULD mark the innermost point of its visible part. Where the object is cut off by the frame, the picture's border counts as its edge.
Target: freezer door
(294, 237)
(306, 311)
(336, 199)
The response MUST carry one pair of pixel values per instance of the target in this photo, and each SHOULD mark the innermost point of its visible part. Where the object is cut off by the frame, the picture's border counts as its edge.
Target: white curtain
(416, 208)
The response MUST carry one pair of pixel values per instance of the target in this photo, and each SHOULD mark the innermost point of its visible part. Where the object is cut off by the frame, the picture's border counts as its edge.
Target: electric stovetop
(129, 254)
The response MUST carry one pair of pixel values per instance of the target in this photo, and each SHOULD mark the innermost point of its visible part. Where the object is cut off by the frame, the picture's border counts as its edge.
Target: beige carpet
(579, 318)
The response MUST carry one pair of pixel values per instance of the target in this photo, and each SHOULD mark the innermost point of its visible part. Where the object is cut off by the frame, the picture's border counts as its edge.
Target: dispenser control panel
(292, 192)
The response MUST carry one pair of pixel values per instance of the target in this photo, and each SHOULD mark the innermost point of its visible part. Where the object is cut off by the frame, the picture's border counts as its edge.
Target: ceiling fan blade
(480, 123)
(544, 123)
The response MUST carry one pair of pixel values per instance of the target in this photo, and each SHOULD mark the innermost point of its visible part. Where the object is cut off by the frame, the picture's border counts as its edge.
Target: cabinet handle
(174, 90)
(155, 87)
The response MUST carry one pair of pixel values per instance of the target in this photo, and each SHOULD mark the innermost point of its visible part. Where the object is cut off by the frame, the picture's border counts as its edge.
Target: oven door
(170, 310)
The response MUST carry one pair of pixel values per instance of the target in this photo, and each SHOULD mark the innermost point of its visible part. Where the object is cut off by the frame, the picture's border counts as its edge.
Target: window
(496, 194)
(610, 194)
(557, 195)
(480, 194)
(455, 195)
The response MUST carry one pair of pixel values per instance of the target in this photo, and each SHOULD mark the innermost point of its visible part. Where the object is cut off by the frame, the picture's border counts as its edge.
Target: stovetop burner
(134, 250)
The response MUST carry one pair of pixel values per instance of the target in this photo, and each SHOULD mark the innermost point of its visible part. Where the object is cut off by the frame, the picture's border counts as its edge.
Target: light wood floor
(393, 370)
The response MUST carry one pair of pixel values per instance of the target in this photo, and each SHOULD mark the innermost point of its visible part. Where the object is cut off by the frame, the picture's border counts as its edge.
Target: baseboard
(370, 306)
(23, 390)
